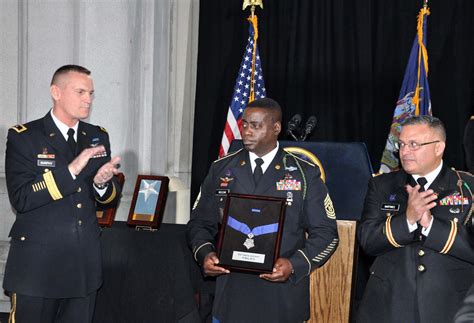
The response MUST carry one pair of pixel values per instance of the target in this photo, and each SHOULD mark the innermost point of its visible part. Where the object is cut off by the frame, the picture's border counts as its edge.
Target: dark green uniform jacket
(244, 297)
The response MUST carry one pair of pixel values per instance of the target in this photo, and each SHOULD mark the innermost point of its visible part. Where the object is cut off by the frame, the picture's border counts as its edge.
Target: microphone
(309, 127)
(293, 125)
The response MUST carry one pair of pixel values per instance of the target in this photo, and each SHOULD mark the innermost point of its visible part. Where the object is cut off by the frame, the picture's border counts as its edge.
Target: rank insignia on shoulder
(19, 128)
(103, 129)
(328, 206)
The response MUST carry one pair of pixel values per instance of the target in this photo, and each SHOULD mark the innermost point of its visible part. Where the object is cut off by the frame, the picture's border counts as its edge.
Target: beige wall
(142, 55)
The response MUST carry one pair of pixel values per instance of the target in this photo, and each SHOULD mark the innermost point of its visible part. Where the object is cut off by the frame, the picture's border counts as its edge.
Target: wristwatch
(101, 186)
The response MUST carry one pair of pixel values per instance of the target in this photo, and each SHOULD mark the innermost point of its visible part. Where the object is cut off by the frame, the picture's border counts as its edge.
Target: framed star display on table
(250, 234)
(149, 198)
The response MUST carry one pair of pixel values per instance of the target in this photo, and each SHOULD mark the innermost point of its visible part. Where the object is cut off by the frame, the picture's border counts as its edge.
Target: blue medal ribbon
(257, 231)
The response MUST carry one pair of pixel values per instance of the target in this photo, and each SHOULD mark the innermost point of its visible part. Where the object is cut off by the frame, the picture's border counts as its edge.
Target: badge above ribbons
(308, 156)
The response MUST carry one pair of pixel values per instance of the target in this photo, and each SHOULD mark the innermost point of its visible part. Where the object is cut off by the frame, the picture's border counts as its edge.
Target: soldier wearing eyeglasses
(417, 223)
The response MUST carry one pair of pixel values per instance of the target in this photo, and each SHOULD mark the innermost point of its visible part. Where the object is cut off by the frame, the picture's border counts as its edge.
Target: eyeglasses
(412, 145)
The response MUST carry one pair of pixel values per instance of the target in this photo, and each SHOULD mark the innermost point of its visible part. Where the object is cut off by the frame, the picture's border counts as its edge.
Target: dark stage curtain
(340, 60)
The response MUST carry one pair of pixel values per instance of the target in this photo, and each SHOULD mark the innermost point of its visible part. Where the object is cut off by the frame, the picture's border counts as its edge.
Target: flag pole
(253, 20)
(249, 84)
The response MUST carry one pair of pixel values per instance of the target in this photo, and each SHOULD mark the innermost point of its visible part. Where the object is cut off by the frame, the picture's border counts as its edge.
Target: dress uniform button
(23, 238)
(46, 170)
(79, 190)
(421, 253)
(79, 222)
(421, 268)
(79, 205)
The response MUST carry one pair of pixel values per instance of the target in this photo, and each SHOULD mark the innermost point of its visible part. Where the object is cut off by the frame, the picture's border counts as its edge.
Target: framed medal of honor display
(148, 202)
(250, 235)
(106, 216)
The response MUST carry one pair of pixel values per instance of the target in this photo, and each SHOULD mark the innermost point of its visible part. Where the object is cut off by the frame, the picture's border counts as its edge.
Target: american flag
(248, 86)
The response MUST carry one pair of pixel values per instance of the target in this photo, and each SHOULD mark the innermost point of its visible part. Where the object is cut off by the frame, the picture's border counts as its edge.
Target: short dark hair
(68, 68)
(268, 104)
(432, 122)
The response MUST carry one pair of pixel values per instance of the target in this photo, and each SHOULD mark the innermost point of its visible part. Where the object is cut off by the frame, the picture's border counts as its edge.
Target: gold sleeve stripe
(38, 186)
(51, 186)
(309, 262)
(12, 318)
(326, 252)
(199, 248)
(388, 232)
(111, 198)
(329, 208)
(451, 237)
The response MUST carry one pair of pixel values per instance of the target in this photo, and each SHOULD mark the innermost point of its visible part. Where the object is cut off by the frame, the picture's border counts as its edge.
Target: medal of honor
(241, 227)
(249, 243)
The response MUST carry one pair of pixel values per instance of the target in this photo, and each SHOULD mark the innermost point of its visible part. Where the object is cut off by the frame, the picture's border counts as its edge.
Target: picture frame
(106, 216)
(148, 202)
(251, 231)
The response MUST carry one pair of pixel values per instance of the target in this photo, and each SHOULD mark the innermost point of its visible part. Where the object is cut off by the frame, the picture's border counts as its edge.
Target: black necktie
(422, 182)
(258, 172)
(70, 141)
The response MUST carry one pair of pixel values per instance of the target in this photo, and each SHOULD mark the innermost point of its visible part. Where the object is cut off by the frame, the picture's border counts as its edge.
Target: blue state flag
(414, 98)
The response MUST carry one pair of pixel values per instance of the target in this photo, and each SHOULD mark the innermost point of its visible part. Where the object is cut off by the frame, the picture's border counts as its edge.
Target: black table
(148, 276)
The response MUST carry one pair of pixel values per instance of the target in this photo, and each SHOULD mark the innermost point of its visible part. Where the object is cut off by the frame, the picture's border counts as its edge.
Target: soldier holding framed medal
(305, 232)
